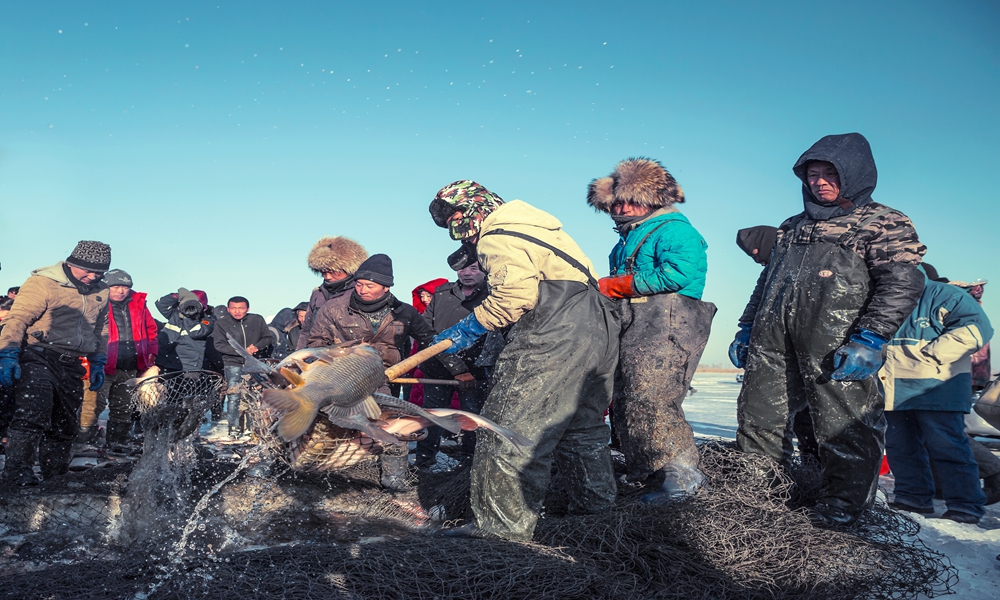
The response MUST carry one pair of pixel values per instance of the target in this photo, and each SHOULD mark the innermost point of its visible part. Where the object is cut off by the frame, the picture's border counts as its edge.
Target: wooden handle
(412, 380)
(404, 366)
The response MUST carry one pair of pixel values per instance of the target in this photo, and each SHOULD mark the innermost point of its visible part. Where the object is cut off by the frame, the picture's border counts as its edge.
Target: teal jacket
(672, 260)
(929, 362)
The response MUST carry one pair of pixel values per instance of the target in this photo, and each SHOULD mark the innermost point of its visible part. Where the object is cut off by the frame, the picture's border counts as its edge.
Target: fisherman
(336, 259)
(132, 348)
(927, 379)
(842, 278)
(371, 314)
(658, 272)
(451, 303)
(555, 377)
(56, 321)
(251, 331)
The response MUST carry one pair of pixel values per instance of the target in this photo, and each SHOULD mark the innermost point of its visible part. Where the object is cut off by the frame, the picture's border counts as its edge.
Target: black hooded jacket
(887, 243)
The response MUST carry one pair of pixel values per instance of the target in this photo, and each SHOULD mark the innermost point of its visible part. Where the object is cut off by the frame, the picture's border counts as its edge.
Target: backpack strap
(561, 254)
(630, 261)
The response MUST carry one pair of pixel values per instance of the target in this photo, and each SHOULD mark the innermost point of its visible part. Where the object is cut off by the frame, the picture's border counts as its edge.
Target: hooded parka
(836, 268)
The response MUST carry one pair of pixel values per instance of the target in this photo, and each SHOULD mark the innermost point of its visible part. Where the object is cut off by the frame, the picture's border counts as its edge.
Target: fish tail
(298, 413)
(471, 421)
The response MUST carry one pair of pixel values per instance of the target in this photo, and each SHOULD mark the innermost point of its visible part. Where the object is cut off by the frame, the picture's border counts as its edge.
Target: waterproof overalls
(663, 337)
(815, 295)
(552, 383)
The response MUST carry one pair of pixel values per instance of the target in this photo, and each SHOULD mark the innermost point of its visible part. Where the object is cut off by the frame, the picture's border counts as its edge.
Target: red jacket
(143, 333)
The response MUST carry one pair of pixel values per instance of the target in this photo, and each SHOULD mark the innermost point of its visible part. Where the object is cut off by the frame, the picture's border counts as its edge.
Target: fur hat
(641, 181)
(377, 268)
(336, 254)
(90, 256)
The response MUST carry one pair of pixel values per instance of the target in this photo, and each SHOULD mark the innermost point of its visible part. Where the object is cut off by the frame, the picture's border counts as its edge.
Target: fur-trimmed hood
(641, 181)
(337, 254)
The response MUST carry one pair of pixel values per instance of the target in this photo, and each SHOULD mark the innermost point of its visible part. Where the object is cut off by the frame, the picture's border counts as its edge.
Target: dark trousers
(233, 378)
(915, 439)
(439, 396)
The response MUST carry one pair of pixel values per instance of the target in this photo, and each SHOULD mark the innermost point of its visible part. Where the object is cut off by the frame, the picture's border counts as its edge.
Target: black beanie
(377, 268)
(90, 256)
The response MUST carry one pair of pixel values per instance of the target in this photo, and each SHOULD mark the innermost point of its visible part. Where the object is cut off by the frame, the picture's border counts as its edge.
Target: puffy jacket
(52, 312)
(144, 332)
(448, 307)
(250, 330)
(182, 339)
(337, 322)
(320, 296)
(673, 258)
(516, 266)
(929, 362)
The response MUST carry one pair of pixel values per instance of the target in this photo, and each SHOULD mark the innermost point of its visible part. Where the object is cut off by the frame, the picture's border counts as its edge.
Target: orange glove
(617, 287)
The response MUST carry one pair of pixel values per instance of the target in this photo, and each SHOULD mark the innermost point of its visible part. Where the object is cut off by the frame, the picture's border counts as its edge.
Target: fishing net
(291, 535)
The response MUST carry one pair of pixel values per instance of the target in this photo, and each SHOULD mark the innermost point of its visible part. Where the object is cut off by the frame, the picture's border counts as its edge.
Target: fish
(408, 428)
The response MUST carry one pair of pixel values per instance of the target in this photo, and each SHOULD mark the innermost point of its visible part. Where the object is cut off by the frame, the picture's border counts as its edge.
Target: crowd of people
(848, 344)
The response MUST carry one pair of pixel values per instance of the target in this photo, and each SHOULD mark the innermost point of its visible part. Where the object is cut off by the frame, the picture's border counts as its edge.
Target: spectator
(658, 270)
(373, 315)
(251, 331)
(132, 348)
(450, 303)
(336, 259)
(928, 391)
(842, 277)
(52, 326)
(12, 292)
(280, 326)
(6, 392)
(296, 330)
(189, 325)
(422, 296)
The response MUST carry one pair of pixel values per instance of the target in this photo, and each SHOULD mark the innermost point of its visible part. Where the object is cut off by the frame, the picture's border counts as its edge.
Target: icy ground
(974, 549)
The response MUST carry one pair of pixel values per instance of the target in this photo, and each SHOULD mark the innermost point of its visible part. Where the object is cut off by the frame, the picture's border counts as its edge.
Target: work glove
(10, 369)
(466, 382)
(97, 362)
(859, 358)
(740, 347)
(617, 287)
(462, 334)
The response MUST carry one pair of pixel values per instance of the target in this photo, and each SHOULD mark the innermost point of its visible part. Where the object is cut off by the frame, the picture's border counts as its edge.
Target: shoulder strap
(630, 261)
(566, 257)
(853, 231)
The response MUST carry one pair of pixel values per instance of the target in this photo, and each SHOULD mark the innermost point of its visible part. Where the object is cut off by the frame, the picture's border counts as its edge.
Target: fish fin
(412, 409)
(359, 422)
(471, 421)
(372, 409)
(297, 412)
(250, 363)
(293, 377)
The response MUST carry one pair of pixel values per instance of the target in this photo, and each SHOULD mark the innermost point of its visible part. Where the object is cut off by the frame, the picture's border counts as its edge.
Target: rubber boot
(991, 487)
(678, 482)
(117, 433)
(21, 451)
(394, 472)
(83, 435)
(54, 457)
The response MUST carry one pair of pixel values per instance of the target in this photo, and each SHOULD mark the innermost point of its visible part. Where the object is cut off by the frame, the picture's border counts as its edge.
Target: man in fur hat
(658, 273)
(56, 321)
(336, 259)
(555, 376)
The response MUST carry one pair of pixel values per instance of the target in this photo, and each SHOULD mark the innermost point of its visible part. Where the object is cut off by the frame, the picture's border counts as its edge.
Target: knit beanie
(377, 268)
(90, 256)
(469, 198)
(118, 277)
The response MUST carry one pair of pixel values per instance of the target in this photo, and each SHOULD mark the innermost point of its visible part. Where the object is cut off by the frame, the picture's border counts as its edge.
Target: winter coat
(182, 339)
(430, 287)
(516, 266)
(672, 259)
(51, 312)
(144, 334)
(250, 330)
(337, 322)
(320, 296)
(929, 362)
(281, 328)
(448, 307)
(886, 240)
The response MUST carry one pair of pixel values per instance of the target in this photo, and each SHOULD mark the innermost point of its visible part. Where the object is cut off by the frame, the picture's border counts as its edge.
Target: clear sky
(212, 143)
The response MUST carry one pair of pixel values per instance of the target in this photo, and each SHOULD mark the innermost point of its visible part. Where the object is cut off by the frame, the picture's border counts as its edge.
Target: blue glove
(860, 358)
(10, 369)
(97, 362)
(740, 346)
(462, 334)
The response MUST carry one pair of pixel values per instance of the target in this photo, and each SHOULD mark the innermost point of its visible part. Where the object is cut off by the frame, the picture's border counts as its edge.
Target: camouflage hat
(469, 198)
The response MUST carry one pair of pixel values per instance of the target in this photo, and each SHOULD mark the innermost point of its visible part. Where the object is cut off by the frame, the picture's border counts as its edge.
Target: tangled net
(737, 538)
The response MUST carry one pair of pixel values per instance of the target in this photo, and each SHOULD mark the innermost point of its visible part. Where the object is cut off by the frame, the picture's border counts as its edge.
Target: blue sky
(211, 144)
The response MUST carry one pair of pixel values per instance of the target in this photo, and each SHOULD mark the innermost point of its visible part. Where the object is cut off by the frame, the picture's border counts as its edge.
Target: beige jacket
(515, 267)
(51, 312)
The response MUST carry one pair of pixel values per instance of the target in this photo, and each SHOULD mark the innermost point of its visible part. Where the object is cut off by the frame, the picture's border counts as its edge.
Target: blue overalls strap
(566, 257)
